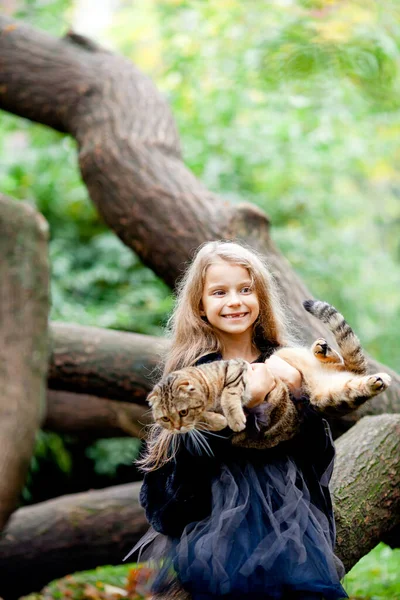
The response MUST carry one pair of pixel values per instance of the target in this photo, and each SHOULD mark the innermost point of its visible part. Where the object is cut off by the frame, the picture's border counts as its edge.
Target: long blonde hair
(192, 336)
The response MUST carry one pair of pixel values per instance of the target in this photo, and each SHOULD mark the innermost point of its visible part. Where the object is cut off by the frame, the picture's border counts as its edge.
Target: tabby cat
(212, 396)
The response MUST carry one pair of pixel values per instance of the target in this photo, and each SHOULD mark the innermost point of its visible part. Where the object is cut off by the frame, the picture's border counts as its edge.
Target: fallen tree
(60, 536)
(90, 417)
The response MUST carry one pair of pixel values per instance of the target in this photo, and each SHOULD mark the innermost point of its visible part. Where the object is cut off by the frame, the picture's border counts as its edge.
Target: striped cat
(212, 396)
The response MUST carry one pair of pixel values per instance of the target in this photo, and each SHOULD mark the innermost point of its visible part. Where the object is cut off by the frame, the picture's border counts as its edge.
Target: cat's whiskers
(205, 443)
(173, 446)
(193, 440)
(200, 443)
(208, 431)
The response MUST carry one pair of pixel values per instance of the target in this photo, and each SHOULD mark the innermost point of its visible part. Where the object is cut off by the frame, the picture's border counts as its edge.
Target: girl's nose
(233, 299)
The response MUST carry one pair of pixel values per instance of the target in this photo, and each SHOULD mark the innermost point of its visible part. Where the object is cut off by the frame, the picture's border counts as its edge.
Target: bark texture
(101, 362)
(24, 304)
(59, 536)
(366, 485)
(90, 417)
(53, 538)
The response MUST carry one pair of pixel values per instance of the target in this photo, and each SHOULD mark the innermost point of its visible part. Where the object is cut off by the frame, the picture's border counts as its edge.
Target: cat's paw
(324, 353)
(379, 382)
(320, 347)
(237, 421)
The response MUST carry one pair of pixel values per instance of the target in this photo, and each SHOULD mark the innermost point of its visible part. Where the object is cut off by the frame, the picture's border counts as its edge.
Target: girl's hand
(261, 382)
(289, 375)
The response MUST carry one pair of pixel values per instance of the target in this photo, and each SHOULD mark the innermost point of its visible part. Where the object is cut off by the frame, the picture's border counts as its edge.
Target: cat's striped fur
(336, 384)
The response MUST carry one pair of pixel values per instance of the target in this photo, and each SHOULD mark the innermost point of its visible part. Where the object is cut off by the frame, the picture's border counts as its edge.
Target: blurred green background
(291, 104)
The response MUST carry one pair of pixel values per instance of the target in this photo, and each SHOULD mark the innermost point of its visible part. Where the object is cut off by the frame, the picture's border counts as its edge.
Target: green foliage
(51, 450)
(375, 576)
(108, 454)
(291, 105)
(50, 15)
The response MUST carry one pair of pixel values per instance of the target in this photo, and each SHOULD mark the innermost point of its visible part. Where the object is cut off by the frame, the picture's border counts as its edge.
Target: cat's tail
(348, 342)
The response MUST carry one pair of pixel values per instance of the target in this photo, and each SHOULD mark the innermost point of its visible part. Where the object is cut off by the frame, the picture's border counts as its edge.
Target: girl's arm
(288, 374)
(262, 379)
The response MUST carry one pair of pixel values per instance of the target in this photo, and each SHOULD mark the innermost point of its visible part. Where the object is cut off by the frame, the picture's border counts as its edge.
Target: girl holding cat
(237, 522)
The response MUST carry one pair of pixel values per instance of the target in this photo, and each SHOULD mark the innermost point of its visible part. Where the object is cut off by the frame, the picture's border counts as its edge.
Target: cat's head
(178, 402)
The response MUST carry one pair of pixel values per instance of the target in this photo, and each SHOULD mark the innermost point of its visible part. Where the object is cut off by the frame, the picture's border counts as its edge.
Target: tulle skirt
(264, 539)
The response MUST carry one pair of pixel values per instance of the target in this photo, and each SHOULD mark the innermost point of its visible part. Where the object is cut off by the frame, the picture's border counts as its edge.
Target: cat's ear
(186, 386)
(152, 397)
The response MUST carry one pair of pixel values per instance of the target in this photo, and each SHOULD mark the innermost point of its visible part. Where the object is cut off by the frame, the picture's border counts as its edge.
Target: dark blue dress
(246, 523)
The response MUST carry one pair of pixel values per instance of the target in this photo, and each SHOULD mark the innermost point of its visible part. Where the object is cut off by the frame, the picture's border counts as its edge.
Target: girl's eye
(166, 419)
(246, 290)
(218, 293)
(183, 412)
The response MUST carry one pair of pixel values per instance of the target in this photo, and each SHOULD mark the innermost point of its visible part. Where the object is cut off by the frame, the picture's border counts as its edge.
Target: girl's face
(229, 301)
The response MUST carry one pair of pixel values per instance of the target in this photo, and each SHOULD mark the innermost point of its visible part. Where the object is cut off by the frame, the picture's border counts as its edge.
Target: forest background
(292, 105)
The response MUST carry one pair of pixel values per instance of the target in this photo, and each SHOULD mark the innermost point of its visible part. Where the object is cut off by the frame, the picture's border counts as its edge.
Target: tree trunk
(366, 509)
(90, 417)
(24, 304)
(81, 531)
(71, 533)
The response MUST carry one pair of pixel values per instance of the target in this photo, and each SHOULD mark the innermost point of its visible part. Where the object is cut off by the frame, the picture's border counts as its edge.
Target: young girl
(241, 523)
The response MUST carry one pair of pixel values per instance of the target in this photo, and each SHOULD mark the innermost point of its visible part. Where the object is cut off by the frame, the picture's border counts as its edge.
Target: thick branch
(71, 533)
(91, 417)
(366, 485)
(83, 530)
(24, 303)
(102, 362)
